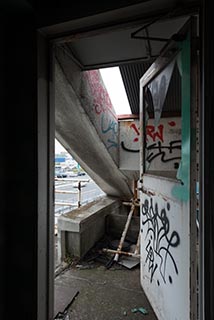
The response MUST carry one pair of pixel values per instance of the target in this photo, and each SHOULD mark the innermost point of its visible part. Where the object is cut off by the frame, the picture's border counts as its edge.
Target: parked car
(81, 173)
(60, 174)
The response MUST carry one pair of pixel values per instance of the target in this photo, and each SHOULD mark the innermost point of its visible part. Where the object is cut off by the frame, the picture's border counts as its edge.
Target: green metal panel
(182, 192)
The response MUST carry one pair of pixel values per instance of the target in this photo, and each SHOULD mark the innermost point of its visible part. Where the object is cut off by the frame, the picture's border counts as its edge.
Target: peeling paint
(182, 191)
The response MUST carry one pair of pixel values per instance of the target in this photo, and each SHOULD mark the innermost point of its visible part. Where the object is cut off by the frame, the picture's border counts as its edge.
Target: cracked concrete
(105, 294)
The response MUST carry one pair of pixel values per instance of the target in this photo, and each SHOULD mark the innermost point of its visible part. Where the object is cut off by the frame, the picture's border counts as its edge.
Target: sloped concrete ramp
(87, 126)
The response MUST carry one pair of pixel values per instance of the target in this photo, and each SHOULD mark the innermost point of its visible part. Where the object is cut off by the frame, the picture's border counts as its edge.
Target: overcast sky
(114, 85)
(58, 147)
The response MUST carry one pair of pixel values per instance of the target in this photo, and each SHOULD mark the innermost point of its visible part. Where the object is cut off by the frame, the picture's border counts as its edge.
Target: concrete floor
(105, 294)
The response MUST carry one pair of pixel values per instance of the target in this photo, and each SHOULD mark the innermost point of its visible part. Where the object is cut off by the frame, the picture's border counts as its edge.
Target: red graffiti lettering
(150, 131)
(133, 125)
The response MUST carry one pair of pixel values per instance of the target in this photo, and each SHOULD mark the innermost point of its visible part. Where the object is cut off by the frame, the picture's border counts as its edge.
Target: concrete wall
(83, 126)
(100, 110)
(165, 256)
(115, 223)
(163, 145)
(81, 228)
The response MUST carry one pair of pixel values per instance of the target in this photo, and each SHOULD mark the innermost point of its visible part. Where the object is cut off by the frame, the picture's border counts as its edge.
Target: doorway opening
(78, 58)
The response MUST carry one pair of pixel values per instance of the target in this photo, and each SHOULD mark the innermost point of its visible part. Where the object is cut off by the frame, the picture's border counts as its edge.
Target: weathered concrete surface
(115, 224)
(86, 129)
(80, 229)
(106, 294)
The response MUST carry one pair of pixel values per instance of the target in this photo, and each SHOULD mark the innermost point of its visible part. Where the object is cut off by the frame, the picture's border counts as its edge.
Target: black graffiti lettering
(160, 241)
(163, 151)
(150, 259)
(127, 149)
(158, 149)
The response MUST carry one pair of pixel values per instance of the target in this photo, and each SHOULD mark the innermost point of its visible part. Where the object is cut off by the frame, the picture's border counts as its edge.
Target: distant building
(59, 160)
(64, 159)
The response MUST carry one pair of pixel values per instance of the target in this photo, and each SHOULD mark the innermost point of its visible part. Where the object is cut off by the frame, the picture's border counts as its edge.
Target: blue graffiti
(110, 126)
(113, 144)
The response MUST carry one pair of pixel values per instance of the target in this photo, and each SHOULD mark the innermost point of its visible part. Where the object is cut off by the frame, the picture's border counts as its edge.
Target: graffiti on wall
(160, 242)
(163, 143)
(102, 112)
(109, 125)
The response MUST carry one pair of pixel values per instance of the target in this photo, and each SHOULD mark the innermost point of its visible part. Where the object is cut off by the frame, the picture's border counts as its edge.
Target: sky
(58, 147)
(114, 85)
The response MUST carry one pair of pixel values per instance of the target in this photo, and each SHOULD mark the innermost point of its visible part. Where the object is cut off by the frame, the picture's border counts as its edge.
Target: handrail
(71, 179)
(70, 192)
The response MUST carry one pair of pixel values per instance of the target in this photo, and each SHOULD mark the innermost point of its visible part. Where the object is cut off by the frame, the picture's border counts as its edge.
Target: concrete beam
(80, 133)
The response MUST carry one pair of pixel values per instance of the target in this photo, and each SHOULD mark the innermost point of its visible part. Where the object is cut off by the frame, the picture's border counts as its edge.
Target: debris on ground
(129, 262)
(141, 309)
(101, 254)
(62, 316)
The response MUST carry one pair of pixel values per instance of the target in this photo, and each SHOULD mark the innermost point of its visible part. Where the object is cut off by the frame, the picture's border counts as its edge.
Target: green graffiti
(182, 191)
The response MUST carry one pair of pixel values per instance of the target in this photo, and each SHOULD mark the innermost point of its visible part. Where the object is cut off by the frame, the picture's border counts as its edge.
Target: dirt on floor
(100, 289)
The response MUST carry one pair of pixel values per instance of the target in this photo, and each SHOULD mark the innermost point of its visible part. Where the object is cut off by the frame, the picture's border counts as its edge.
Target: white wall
(164, 143)
(165, 256)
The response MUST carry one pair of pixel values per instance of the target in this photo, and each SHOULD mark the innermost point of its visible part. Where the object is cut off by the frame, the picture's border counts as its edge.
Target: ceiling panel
(118, 47)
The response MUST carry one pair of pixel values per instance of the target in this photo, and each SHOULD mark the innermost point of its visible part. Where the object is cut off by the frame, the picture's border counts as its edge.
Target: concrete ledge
(80, 229)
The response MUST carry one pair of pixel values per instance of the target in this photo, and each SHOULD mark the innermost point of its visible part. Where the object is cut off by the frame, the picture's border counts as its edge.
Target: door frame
(168, 54)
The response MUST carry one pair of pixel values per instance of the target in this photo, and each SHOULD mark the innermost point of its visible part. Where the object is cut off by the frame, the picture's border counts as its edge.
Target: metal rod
(66, 192)
(71, 179)
(130, 254)
(137, 248)
(135, 196)
(150, 38)
(79, 194)
(149, 24)
(124, 232)
(130, 204)
(65, 204)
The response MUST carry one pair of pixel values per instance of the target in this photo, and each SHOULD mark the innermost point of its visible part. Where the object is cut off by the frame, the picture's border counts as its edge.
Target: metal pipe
(130, 204)
(150, 38)
(124, 232)
(66, 192)
(130, 254)
(71, 179)
(65, 204)
(135, 197)
(137, 248)
(79, 194)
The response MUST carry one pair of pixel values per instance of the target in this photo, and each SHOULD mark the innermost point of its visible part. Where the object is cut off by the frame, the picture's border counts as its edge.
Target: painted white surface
(129, 139)
(164, 143)
(165, 256)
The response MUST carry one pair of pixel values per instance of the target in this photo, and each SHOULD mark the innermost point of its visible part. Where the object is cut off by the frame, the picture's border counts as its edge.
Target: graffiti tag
(164, 149)
(160, 241)
(161, 151)
(153, 133)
